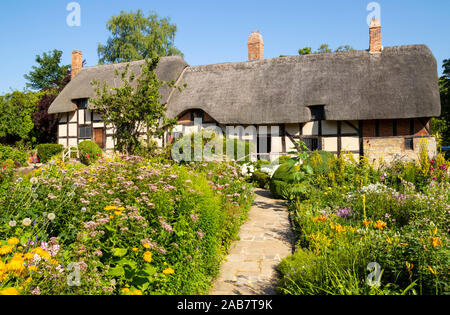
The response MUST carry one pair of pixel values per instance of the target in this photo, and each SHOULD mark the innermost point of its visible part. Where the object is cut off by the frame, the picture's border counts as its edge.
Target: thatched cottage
(375, 102)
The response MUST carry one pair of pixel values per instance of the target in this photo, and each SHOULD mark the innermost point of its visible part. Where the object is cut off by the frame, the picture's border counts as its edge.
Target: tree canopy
(49, 73)
(15, 115)
(135, 36)
(441, 125)
(324, 48)
(134, 107)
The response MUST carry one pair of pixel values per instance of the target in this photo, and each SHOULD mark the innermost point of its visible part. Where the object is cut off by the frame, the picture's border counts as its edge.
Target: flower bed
(367, 231)
(123, 226)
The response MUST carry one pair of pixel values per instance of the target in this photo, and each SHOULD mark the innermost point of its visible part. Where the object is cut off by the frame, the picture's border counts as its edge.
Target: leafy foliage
(135, 36)
(15, 115)
(12, 154)
(133, 107)
(441, 126)
(324, 48)
(90, 152)
(49, 74)
(47, 150)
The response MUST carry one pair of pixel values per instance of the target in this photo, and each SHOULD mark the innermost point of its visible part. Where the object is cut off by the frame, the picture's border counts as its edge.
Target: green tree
(49, 73)
(305, 51)
(133, 107)
(15, 115)
(441, 126)
(135, 36)
(324, 48)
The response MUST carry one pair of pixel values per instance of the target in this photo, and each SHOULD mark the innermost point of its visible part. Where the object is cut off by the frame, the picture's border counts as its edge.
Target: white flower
(26, 222)
(34, 180)
(12, 223)
(83, 209)
(51, 216)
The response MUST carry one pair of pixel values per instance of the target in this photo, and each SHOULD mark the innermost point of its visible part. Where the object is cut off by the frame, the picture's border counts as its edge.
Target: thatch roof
(400, 82)
(168, 69)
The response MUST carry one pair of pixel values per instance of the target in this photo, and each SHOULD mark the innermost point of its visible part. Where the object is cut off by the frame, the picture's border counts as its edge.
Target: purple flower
(344, 212)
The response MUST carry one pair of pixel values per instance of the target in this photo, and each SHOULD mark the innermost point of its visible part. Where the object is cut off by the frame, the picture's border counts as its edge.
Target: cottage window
(312, 143)
(82, 103)
(197, 114)
(317, 112)
(85, 132)
(409, 143)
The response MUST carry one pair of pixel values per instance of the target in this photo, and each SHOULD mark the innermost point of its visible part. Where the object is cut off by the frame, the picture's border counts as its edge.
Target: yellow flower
(13, 241)
(380, 225)
(28, 256)
(121, 208)
(5, 250)
(127, 291)
(148, 257)
(404, 244)
(109, 208)
(409, 266)
(430, 269)
(118, 213)
(33, 268)
(389, 240)
(146, 245)
(134, 249)
(9, 291)
(169, 271)
(111, 217)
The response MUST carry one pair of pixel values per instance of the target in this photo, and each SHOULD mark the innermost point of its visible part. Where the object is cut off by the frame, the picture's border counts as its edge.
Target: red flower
(4, 166)
(87, 156)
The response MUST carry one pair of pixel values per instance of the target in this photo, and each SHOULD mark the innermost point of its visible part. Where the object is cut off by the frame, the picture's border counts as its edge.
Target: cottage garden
(132, 225)
(123, 225)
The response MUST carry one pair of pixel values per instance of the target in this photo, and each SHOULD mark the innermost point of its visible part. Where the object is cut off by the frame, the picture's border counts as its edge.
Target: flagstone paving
(265, 239)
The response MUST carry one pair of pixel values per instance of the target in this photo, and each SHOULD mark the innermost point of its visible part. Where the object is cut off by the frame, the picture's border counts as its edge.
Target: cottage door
(98, 137)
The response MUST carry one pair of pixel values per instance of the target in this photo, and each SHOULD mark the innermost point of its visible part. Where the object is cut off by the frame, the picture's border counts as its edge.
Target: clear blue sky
(216, 31)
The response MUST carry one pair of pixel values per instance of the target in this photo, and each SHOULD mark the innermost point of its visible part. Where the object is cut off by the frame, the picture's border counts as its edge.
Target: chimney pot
(375, 36)
(77, 62)
(255, 46)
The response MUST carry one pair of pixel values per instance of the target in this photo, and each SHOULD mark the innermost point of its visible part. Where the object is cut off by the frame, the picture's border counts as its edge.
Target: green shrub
(90, 152)
(16, 155)
(262, 179)
(278, 188)
(46, 151)
(319, 161)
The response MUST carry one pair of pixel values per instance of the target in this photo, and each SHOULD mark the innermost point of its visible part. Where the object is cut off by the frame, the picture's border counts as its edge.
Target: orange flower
(367, 223)
(321, 219)
(380, 225)
(436, 241)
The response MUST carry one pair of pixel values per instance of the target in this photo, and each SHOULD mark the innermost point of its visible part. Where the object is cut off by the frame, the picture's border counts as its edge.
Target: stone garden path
(265, 239)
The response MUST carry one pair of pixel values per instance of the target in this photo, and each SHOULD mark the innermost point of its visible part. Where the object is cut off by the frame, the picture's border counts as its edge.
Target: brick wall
(393, 148)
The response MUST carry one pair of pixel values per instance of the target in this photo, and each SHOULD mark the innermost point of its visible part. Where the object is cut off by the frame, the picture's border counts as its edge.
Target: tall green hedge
(47, 150)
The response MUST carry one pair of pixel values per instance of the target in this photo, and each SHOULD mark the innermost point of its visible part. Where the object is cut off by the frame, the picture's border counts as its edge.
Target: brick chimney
(77, 62)
(375, 36)
(255, 46)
